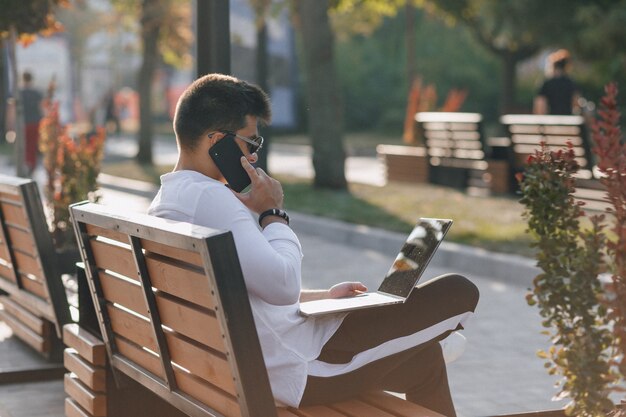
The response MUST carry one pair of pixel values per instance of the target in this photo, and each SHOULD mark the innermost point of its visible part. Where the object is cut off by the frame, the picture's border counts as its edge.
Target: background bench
(174, 315)
(404, 163)
(458, 154)
(34, 303)
(527, 131)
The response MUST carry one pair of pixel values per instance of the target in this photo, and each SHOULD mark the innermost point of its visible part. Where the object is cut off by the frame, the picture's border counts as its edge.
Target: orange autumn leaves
(72, 165)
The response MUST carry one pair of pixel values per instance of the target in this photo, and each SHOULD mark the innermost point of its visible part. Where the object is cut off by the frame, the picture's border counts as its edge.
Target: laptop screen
(414, 256)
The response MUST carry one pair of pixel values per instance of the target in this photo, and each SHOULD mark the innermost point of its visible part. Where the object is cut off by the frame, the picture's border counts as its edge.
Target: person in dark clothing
(111, 119)
(31, 99)
(558, 94)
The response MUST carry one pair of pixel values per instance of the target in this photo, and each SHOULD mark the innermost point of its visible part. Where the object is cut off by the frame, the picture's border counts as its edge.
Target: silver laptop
(402, 277)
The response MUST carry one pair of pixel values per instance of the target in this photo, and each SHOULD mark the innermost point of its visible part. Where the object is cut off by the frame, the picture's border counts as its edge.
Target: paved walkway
(499, 372)
(283, 159)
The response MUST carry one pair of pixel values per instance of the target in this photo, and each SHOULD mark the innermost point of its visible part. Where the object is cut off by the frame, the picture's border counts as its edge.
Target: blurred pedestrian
(558, 94)
(32, 102)
(111, 118)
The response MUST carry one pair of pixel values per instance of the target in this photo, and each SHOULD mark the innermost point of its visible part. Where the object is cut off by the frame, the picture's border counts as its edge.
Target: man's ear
(214, 137)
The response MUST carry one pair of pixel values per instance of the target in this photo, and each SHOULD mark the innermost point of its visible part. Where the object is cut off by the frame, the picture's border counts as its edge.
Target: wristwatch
(274, 212)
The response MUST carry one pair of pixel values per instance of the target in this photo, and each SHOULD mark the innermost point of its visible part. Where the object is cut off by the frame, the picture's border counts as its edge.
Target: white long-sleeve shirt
(271, 264)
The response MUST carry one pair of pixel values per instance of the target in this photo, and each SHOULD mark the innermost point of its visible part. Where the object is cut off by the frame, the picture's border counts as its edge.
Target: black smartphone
(227, 156)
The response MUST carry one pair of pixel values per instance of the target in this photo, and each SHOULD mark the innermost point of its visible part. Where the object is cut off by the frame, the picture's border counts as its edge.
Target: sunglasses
(254, 143)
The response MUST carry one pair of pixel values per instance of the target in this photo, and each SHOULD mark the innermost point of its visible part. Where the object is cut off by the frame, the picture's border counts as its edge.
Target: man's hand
(265, 192)
(346, 289)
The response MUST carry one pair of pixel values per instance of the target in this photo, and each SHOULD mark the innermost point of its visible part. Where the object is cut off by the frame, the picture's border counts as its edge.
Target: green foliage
(373, 75)
(598, 41)
(173, 17)
(568, 291)
(362, 17)
(510, 26)
(27, 16)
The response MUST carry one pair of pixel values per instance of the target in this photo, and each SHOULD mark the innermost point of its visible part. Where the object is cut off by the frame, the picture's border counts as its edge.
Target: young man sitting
(310, 360)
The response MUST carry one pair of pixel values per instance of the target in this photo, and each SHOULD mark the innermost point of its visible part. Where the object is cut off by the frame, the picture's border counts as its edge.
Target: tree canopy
(29, 17)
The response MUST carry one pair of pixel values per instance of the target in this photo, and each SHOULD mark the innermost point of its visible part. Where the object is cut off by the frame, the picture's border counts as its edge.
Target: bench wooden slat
(7, 273)
(92, 376)
(87, 345)
(114, 258)
(357, 408)
(22, 241)
(132, 328)
(35, 304)
(93, 403)
(195, 388)
(4, 251)
(95, 231)
(207, 365)
(34, 286)
(140, 356)
(10, 196)
(193, 323)
(314, 411)
(179, 280)
(284, 412)
(193, 258)
(14, 214)
(22, 331)
(27, 264)
(126, 293)
(36, 324)
(545, 129)
(397, 406)
(466, 136)
(72, 409)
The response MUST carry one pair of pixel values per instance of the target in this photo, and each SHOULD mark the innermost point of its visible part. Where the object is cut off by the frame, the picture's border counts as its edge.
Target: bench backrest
(527, 131)
(174, 312)
(451, 137)
(29, 271)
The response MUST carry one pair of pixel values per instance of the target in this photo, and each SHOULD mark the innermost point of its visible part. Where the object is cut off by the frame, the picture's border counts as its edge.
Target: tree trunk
(151, 18)
(20, 131)
(262, 74)
(324, 103)
(3, 92)
(507, 92)
(410, 43)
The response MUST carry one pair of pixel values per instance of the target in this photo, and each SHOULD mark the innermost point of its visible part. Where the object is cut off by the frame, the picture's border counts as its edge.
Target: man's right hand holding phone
(265, 193)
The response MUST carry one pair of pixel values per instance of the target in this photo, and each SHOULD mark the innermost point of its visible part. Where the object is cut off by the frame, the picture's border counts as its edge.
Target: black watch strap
(274, 212)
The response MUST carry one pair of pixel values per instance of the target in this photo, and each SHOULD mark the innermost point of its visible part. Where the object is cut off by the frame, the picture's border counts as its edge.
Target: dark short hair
(560, 59)
(27, 77)
(217, 102)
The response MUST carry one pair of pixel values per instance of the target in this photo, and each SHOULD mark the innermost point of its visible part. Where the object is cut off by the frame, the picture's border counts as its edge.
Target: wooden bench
(527, 131)
(404, 163)
(458, 154)
(174, 314)
(35, 304)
